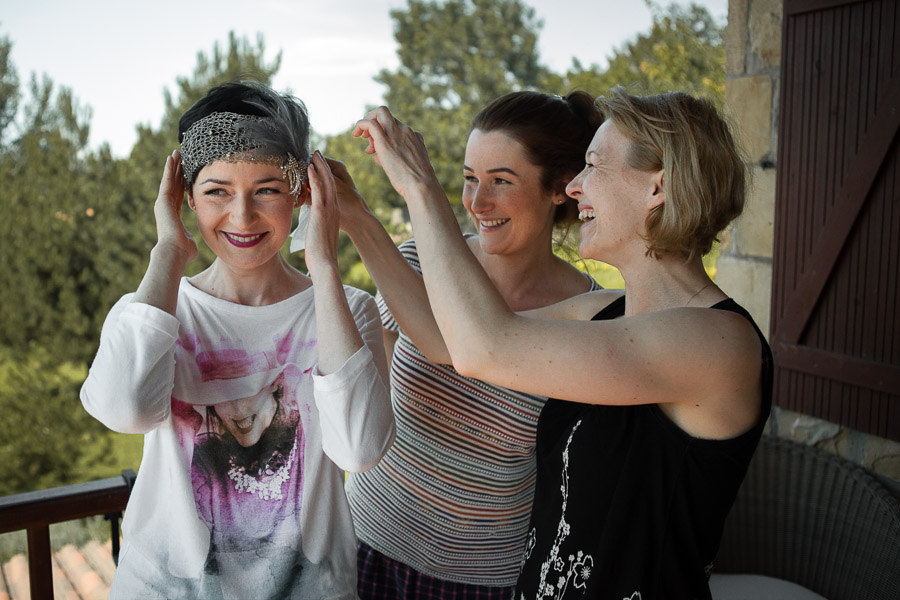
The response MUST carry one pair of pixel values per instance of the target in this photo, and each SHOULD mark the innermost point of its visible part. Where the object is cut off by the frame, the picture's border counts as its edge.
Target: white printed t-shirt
(240, 490)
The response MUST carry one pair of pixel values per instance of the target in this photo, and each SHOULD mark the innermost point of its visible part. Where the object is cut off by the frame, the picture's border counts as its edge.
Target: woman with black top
(663, 391)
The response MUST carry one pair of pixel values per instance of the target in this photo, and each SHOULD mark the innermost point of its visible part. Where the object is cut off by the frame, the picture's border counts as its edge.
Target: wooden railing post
(129, 476)
(114, 534)
(40, 563)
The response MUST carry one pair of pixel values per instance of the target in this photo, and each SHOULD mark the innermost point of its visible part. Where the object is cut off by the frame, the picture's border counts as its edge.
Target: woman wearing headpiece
(661, 393)
(254, 384)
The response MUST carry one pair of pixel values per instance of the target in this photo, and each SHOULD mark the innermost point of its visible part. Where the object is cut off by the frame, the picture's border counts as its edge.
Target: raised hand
(352, 207)
(175, 247)
(171, 233)
(397, 149)
(324, 219)
(338, 335)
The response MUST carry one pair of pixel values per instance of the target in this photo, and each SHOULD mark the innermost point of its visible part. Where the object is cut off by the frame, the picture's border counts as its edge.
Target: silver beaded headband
(224, 136)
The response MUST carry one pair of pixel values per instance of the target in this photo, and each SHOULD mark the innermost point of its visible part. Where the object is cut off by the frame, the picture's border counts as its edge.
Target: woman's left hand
(324, 219)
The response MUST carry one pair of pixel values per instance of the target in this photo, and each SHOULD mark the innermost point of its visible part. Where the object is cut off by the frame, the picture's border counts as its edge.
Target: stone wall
(752, 61)
(744, 269)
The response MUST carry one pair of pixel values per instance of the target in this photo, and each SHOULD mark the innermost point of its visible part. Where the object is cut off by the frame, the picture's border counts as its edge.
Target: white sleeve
(129, 385)
(354, 402)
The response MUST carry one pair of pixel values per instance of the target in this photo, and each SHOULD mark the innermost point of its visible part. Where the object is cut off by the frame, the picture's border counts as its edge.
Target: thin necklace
(697, 293)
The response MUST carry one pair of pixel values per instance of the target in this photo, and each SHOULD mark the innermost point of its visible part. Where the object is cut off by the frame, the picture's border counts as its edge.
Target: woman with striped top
(444, 515)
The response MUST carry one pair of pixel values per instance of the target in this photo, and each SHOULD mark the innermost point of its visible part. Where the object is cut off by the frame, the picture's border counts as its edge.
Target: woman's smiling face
(613, 197)
(504, 195)
(244, 211)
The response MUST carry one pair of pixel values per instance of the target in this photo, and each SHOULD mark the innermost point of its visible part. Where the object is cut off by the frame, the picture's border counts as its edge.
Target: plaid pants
(382, 578)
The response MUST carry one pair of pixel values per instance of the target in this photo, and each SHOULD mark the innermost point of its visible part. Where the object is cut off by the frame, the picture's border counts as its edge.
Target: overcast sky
(118, 57)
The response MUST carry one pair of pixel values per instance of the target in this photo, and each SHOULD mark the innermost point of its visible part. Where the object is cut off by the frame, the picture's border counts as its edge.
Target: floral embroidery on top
(529, 546)
(577, 568)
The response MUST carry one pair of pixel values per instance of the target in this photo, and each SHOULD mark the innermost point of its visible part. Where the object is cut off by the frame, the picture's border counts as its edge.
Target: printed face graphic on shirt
(250, 445)
(248, 418)
(242, 411)
(245, 455)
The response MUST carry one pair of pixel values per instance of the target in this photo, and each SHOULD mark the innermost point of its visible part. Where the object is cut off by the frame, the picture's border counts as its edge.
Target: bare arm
(175, 247)
(351, 384)
(338, 336)
(402, 288)
(638, 360)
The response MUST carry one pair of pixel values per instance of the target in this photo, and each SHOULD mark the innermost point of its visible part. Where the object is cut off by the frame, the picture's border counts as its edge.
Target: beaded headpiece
(231, 137)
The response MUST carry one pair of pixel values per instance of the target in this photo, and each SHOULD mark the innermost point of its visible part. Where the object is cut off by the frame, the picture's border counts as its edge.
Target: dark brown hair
(555, 132)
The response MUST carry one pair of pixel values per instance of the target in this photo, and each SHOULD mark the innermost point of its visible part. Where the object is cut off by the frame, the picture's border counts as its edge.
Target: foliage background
(77, 224)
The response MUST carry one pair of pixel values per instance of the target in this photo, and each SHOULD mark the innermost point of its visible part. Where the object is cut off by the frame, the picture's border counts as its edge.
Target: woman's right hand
(171, 233)
(175, 247)
(397, 149)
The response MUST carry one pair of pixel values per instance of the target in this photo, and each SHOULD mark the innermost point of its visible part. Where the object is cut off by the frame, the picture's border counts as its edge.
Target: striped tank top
(452, 497)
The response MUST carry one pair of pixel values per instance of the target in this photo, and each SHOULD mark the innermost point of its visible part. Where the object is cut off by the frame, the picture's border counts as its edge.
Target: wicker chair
(812, 518)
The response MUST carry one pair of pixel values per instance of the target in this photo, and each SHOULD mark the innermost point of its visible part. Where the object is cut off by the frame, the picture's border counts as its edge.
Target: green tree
(44, 430)
(43, 170)
(455, 57)
(77, 231)
(9, 88)
(50, 287)
(682, 51)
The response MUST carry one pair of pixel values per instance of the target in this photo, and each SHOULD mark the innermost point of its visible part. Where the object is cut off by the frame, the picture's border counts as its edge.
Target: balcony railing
(36, 511)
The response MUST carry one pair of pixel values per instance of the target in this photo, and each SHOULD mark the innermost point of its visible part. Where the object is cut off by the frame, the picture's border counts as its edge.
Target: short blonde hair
(703, 172)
